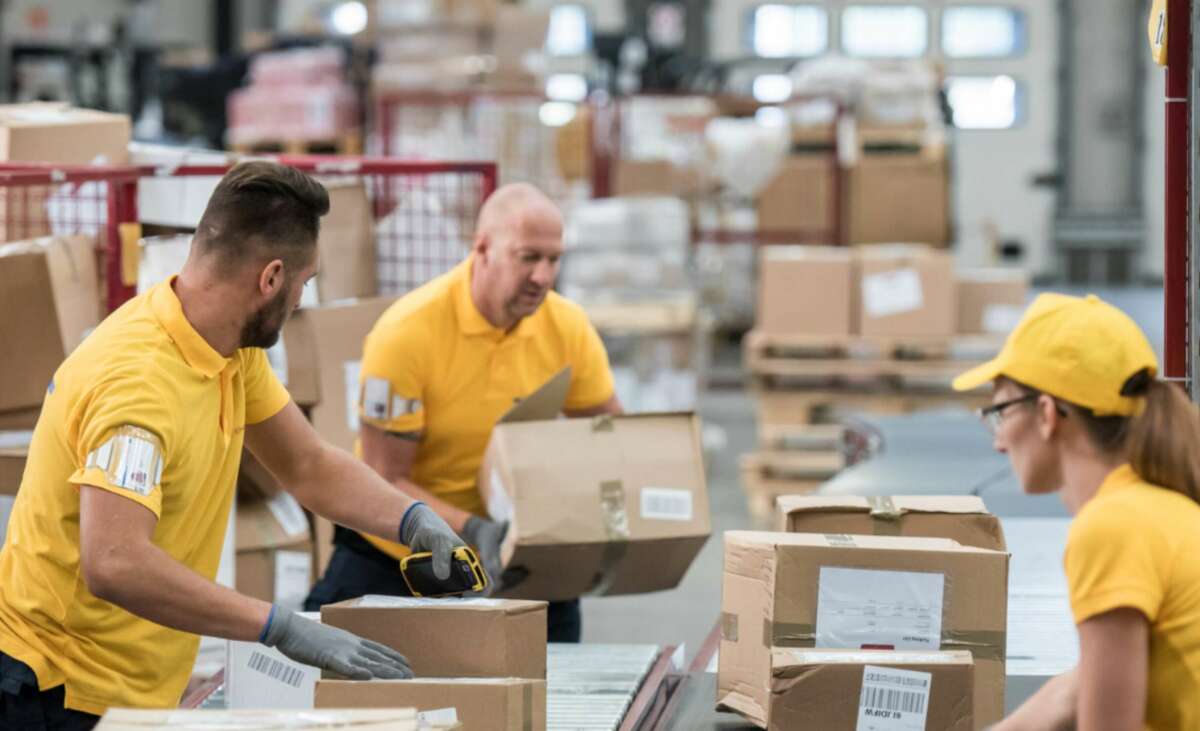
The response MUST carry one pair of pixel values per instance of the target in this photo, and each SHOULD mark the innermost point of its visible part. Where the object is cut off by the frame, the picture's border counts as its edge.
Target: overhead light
(556, 114)
(566, 87)
(349, 18)
(772, 88)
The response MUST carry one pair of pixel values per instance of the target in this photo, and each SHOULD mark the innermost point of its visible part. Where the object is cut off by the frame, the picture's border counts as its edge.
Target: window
(569, 34)
(982, 32)
(984, 102)
(885, 31)
(788, 31)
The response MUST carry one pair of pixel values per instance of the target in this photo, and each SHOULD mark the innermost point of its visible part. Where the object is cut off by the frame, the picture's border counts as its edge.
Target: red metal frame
(1176, 328)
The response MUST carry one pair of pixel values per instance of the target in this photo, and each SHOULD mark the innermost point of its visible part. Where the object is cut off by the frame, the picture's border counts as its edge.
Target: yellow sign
(1157, 30)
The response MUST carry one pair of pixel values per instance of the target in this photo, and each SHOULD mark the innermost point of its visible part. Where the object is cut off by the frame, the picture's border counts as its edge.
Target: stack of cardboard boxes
(867, 609)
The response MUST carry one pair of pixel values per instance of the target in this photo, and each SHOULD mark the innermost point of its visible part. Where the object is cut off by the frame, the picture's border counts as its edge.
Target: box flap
(883, 505)
(790, 658)
(543, 404)
(837, 254)
(820, 540)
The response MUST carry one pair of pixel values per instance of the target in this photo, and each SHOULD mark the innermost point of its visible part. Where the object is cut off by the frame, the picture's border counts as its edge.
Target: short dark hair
(260, 210)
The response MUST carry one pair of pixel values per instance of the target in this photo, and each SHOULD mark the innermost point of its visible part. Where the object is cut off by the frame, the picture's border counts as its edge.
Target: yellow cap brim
(979, 375)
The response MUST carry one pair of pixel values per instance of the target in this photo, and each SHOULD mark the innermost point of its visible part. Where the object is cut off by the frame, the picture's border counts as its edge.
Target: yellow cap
(1082, 350)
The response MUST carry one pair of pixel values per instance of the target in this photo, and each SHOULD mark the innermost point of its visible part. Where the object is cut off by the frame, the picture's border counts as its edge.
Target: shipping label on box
(961, 518)
(906, 290)
(257, 676)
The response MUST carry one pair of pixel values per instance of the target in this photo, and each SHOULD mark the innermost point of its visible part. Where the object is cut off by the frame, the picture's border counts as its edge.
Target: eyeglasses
(992, 416)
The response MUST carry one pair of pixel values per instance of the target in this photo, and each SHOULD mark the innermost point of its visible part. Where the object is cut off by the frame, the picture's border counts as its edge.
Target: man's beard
(263, 328)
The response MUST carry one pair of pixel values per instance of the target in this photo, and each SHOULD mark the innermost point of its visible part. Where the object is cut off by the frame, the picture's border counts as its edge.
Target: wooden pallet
(805, 437)
(822, 406)
(349, 143)
(643, 318)
(761, 492)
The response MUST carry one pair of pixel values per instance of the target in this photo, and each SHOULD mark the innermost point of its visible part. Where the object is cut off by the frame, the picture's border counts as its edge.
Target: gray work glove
(423, 530)
(330, 648)
(487, 535)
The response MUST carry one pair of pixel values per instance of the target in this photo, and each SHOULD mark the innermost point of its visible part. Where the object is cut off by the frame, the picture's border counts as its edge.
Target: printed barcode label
(438, 717)
(893, 699)
(665, 503)
(276, 669)
(892, 293)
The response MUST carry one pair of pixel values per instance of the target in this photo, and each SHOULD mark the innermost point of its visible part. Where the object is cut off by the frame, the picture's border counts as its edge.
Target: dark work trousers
(357, 568)
(25, 708)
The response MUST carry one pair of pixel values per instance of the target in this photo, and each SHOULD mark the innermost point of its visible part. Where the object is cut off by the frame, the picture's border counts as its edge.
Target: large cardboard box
(870, 689)
(479, 704)
(323, 347)
(255, 481)
(257, 676)
(837, 591)
(391, 719)
(799, 199)
(49, 299)
(898, 197)
(346, 244)
(991, 301)
(445, 638)
(806, 290)
(906, 290)
(57, 132)
(602, 506)
(961, 518)
(274, 551)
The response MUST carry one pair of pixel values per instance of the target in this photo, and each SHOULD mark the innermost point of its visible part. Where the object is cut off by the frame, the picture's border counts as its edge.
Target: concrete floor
(945, 452)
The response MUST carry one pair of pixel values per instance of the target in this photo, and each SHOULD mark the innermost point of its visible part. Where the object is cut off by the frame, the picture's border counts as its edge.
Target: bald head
(518, 245)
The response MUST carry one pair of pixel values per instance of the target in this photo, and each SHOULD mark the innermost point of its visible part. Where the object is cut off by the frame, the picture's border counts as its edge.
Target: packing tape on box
(982, 644)
(885, 516)
(616, 528)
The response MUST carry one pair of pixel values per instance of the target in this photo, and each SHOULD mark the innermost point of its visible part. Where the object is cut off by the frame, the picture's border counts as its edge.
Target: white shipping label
(666, 503)
(437, 717)
(288, 514)
(861, 609)
(499, 503)
(892, 293)
(350, 371)
(377, 399)
(292, 578)
(1001, 319)
(893, 699)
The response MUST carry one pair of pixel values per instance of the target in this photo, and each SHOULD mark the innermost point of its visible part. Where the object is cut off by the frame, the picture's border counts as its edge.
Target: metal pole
(1178, 168)
(1193, 302)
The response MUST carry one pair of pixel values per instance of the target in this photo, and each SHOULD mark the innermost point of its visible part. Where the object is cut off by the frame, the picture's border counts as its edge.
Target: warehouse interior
(791, 224)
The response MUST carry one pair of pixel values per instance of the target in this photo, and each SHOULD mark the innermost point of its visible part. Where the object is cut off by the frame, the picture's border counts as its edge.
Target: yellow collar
(195, 349)
(1118, 478)
(470, 320)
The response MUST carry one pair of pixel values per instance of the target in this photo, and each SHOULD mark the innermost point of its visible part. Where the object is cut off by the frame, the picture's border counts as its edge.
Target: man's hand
(486, 536)
(421, 529)
(330, 648)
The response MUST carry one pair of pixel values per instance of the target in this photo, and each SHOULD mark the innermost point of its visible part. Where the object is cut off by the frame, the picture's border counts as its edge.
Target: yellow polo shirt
(145, 409)
(1137, 545)
(433, 364)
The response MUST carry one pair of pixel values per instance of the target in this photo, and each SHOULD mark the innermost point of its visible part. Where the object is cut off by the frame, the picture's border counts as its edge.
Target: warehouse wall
(176, 21)
(1153, 166)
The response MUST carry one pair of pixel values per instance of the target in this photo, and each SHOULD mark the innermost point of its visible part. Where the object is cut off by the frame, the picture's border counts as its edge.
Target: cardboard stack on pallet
(871, 609)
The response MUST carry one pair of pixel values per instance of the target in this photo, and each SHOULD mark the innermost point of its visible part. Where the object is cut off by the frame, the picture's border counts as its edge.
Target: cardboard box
(961, 518)
(274, 551)
(57, 132)
(347, 245)
(257, 676)
(603, 506)
(480, 704)
(898, 197)
(788, 590)
(255, 481)
(799, 199)
(806, 290)
(20, 419)
(391, 719)
(844, 689)
(49, 299)
(991, 301)
(906, 290)
(323, 347)
(519, 32)
(445, 638)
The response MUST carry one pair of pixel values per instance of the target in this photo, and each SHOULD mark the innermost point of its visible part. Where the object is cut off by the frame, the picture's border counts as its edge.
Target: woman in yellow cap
(1077, 407)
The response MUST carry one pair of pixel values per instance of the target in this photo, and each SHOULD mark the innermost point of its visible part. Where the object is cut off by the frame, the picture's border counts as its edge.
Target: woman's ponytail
(1163, 441)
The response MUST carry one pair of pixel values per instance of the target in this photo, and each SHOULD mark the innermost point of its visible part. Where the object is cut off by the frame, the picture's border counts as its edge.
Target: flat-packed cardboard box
(898, 197)
(49, 299)
(347, 244)
(906, 290)
(991, 301)
(806, 290)
(838, 591)
(961, 518)
(274, 551)
(799, 199)
(602, 506)
(446, 638)
(257, 676)
(480, 704)
(323, 347)
(870, 690)
(391, 719)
